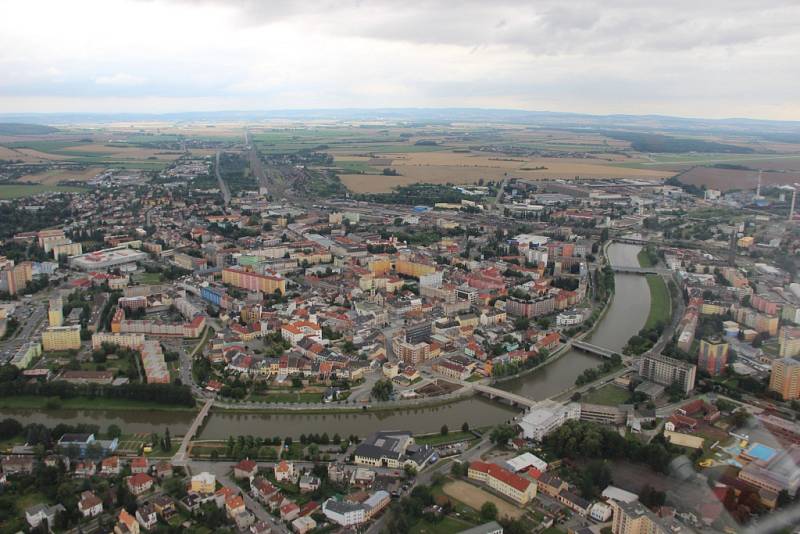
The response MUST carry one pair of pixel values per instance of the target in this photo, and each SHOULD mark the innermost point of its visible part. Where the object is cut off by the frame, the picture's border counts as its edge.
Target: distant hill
(780, 130)
(21, 128)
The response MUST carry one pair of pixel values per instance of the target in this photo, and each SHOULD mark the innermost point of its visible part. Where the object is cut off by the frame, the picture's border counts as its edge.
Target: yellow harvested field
(469, 168)
(474, 497)
(55, 176)
(28, 155)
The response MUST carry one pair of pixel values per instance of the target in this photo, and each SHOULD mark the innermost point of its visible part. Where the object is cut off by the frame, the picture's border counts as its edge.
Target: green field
(608, 395)
(644, 259)
(438, 439)
(9, 191)
(147, 278)
(660, 304)
(287, 396)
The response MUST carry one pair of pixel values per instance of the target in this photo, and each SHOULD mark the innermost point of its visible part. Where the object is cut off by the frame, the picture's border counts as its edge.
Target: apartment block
(58, 338)
(667, 371)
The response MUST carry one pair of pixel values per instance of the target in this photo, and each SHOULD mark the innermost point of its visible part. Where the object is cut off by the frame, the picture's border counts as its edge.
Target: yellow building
(519, 489)
(254, 281)
(204, 483)
(710, 308)
(127, 340)
(380, 266)
(785, 378)
(634, 518)
(745, 242)
(67, 249)
(58, 338)
(412, 268)
(55, 314)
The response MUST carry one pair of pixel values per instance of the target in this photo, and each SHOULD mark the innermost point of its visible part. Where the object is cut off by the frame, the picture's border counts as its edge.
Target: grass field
(608, 395)
(9, 191)
(438, 439)
(84, 403)
(474, 497)
(644, 259)
(147, 278)
(287, 396)
(660, 304)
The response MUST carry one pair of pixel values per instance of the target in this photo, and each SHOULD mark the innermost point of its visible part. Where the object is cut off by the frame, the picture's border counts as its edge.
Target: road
(28, 330)
(223, 187)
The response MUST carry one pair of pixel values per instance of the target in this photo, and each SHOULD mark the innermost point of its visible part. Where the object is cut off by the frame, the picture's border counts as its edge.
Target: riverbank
(660, 302)
(29, 402)
(431, 402)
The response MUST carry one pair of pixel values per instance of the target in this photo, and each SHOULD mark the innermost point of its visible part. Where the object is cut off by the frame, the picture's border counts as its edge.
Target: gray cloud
(685, 57)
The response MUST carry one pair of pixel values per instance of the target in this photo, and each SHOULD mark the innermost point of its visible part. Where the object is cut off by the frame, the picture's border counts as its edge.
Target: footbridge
(513, 398)
(594, 349)
(641, 270)
(180, 457)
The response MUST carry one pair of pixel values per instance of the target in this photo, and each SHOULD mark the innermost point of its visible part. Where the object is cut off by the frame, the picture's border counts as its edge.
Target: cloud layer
(713, 58)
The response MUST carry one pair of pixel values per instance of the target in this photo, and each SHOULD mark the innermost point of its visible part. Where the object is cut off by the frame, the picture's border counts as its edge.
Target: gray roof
(486, 528)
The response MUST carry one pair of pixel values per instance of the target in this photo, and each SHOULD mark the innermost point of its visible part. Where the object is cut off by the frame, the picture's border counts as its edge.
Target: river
(626, 316)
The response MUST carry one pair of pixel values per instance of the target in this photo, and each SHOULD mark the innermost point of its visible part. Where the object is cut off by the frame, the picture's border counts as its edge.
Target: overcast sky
(702, 58)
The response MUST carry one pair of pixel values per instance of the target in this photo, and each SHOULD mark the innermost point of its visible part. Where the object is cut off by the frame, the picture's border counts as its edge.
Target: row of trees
(12, 384)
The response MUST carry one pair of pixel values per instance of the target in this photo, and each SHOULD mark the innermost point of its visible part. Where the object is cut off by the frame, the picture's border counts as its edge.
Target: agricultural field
(727, 179)
(468, 168)
(54, 176)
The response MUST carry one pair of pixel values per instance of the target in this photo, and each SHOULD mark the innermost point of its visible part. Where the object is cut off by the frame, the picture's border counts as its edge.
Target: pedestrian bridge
(594, 349)
(640, 270)
(513, 398)
(180, 456)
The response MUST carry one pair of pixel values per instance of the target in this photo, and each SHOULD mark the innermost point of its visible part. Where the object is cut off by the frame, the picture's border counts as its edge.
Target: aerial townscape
(421, 267)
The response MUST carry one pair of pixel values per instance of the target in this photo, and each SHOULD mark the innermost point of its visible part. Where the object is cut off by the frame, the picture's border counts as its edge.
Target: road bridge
(513, 398)
(180, 457)
(594, 349)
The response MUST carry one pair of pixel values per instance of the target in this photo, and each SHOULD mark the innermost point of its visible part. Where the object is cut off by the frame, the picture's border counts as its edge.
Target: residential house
(90, 504)
(247, 468)
(139, 483)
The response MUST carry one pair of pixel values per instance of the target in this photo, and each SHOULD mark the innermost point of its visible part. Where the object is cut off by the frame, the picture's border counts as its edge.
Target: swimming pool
(759, 451)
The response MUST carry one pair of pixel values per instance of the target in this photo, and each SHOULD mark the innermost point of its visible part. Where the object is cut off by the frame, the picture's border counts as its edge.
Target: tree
(502, 434)
(465, 427)
(444, 430)
(382, 390)
(740, 418)
(488, 511)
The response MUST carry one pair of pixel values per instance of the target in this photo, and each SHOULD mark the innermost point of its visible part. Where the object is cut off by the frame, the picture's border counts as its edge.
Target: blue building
(212, 295)
(81, 443)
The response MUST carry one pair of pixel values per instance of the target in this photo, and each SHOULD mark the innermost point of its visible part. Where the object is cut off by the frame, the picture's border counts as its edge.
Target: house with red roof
(139, 483)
